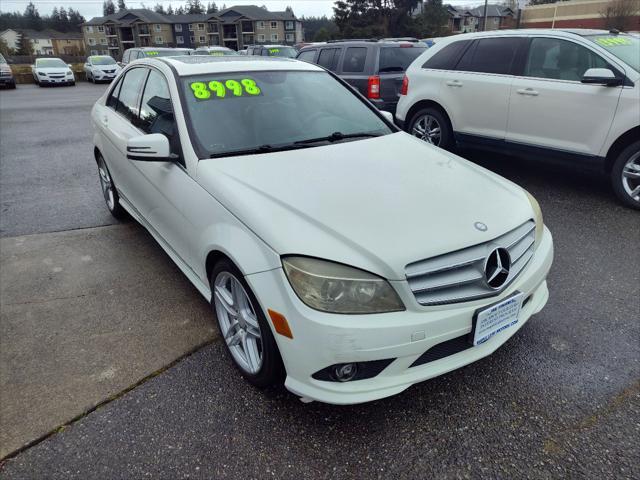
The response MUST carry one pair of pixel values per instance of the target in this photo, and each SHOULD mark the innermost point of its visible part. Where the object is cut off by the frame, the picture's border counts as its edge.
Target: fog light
(344, 372)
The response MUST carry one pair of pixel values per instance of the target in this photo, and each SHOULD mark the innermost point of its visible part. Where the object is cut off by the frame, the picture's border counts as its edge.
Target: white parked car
(215, 51)
(568, 95)
(52, 71)
(336, 250)
(101, 68)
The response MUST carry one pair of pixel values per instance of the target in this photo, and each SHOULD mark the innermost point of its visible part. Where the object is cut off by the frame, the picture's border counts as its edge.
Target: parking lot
(110, 365)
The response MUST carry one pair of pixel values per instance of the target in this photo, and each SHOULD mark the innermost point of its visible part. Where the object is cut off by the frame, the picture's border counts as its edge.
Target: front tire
(244, 328)
(430, 125)
(109, 191)
(625, 176)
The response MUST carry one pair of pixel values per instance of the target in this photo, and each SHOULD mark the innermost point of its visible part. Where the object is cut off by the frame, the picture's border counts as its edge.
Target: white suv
(569, 95)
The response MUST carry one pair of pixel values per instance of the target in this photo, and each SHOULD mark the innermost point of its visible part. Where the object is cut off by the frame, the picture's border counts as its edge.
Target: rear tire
(625, 176)
(244, 327)
(430, 125)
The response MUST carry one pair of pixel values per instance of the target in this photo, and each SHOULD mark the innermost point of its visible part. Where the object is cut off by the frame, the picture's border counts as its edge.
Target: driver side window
(560, 60)
(156, 111)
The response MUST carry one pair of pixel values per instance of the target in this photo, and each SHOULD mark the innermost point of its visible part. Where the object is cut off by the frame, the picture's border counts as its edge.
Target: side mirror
(150, 148)
(387, 115)
(601, 76)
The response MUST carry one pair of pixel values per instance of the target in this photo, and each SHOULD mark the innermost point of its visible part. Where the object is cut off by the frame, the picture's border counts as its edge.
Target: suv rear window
(397, 59)
(354, 59)
(447, 58)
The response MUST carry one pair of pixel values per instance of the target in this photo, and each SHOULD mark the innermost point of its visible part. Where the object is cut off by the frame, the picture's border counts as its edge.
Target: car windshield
(397, 59)
(215, 53)
(269, 110)
(625, 47)
(166, 53)
(287, 52)
(50, 63)
(102, 61)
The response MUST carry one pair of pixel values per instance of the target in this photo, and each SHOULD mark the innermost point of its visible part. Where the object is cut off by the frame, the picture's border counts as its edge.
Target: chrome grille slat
(459, 276)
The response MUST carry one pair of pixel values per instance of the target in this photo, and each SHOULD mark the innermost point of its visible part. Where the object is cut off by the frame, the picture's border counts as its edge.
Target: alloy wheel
(106, 184)
(631, 177)
(238, 322)
(427, 128)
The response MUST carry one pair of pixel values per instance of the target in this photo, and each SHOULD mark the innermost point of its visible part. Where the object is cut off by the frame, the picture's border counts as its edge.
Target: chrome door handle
(454, 83)
(105, 120)
(528, 91)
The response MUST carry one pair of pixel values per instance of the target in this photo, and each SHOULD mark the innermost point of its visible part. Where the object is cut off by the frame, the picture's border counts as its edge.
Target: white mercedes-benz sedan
(341, 255)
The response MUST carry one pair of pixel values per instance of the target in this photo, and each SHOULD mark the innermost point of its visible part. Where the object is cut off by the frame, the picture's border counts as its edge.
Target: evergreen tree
(75, 20)
(212, 7)
(121, 5)
(170, 10)
(180, 10)
(32, 17)
(24, 46)
(159, 8)
(108, 8)
(194, 6)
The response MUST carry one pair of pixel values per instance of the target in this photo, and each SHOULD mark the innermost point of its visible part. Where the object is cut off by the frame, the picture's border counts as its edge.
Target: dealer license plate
(497, 318)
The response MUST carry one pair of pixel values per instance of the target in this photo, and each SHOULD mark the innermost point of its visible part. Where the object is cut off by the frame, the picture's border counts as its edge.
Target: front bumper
(57, 81)
(7, 81)
(321, 339)
(103, 77)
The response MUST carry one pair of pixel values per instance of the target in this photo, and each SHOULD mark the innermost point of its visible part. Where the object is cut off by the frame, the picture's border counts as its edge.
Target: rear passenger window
(307, 56)
(490, 55)
(447, 58)
(329, 58)
(130, 92)
(354, 59)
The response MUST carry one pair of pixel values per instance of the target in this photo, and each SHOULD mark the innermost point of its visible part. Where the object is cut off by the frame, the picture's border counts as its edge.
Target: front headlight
(69, 72)
(537, 217)
(42, 74)
(336, 288)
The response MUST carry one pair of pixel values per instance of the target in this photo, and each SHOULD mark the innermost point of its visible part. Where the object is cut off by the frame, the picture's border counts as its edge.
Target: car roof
(197, 65)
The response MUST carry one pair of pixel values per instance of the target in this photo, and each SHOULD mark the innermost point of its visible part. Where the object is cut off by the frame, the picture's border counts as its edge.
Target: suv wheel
(431, 126)
(625, 176)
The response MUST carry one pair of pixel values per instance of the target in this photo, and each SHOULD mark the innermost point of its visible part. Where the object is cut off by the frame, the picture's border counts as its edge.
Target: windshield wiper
(256, 150)
(336, 136)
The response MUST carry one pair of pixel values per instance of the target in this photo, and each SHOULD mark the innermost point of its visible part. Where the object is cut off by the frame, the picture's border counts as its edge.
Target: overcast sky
(93, 8)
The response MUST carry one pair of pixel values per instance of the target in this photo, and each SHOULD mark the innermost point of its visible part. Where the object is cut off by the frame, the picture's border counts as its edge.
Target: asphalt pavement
(560, 400)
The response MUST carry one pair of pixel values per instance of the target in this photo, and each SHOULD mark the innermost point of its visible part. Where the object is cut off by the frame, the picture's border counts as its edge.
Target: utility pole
(484, 25)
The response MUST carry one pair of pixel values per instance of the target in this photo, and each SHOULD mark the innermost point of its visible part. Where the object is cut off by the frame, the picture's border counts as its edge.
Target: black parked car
(374, 67)
(286, 51)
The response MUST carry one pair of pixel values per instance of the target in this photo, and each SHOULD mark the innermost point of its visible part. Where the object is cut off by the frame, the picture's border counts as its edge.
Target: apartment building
(234, 27)
(464, 20)
(46, 42)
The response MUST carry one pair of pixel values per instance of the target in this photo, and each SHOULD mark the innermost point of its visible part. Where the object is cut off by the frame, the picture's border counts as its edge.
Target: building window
(92, 41)
(213, 28)
(179, 39)
(289, 37)
(274, 25)
(496, 20)
(103, 41)
(89, 29)
(261, 25)
(288, 25)
(261, 38)
(101, 29)
(159, 39)
(201, 26)
(202, 39)
(274, 37)
(191, 27)
(192, 39)
(94, 52)
(178, 28)
(247, 27)
(157, 27)
(69, 41)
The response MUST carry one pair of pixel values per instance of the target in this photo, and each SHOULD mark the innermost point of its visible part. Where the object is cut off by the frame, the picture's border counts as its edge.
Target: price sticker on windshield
(151, 54)
(217, 54)
(220, 89)
(613, 41)
(274, 51)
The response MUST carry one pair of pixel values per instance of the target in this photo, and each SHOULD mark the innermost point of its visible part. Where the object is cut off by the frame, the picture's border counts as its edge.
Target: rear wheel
(625, 176)
(244, 327)
(431, 126)
(109, 191)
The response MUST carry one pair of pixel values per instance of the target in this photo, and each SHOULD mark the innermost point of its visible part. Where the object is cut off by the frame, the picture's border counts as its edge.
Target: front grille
(56, 76)
(444, 349)
(459, 276)
(108, 71)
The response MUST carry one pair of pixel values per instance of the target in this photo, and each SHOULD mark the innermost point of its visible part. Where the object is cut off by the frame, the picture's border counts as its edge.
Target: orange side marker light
(280, 323)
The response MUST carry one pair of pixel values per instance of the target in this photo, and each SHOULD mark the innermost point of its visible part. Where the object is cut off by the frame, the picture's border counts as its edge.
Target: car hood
(376, 204)
(53, 70)
(104, 67)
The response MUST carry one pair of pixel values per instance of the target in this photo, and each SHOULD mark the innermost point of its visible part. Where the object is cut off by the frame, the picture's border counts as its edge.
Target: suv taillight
(373, 87)
(405, 86)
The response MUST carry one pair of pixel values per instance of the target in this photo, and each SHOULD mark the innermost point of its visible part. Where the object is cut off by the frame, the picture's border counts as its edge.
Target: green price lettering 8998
(219, 89)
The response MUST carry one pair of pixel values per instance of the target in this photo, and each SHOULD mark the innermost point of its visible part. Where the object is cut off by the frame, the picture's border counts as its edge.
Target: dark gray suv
(374, 67)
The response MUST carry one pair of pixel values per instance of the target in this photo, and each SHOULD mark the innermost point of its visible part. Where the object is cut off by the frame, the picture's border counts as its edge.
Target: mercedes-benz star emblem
(480, 226)
(496, 267)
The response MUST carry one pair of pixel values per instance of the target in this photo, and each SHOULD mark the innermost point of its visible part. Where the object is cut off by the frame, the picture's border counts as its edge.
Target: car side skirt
(588, 163)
